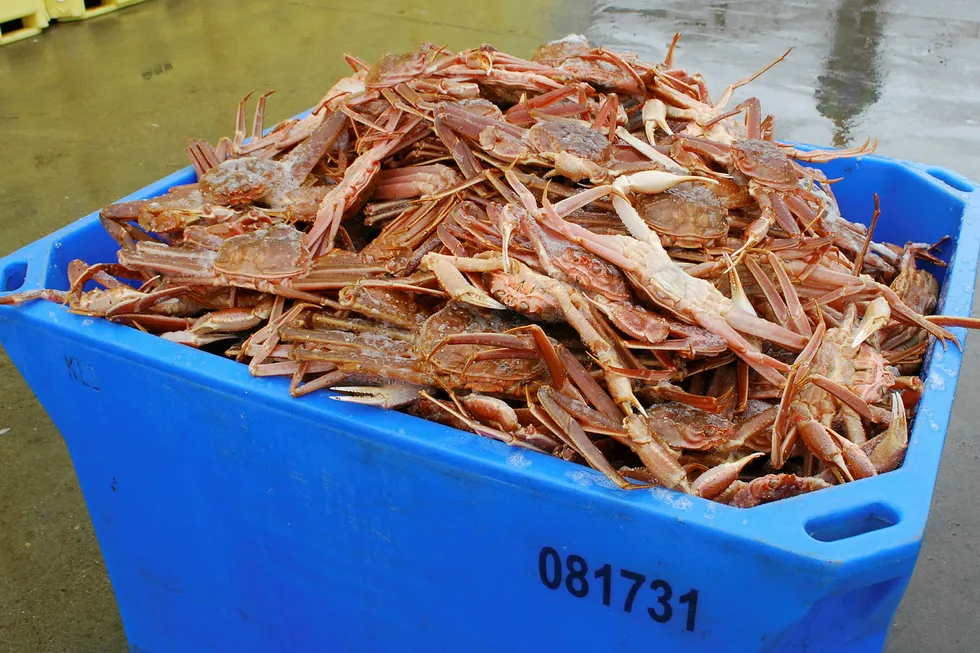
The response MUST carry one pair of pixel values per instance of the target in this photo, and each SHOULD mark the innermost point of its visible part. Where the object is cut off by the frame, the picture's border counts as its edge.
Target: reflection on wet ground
(851, 81)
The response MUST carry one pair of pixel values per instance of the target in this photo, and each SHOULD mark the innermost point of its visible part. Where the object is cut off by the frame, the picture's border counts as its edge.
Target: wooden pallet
(82, 9)
(21, 19)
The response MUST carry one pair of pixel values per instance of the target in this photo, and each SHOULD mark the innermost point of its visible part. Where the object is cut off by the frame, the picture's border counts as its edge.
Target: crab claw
(386, 396)
(651, 182)
(454, 283)
(739, 298)
(890, 451)
(655, 115)
(822, 444)
(718, 479)
(195, 339)
(647, 149)
(876, 316)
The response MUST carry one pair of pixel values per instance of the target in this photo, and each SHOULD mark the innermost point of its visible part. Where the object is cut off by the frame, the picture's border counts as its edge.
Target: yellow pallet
(21, 19)
(82, 9)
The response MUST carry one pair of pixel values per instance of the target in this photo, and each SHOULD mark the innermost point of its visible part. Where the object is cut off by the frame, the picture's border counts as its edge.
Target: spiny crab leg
(726, 95)
(240, 125)
(823, 156)
(588, 386)
(260, 114)
(849, 286)
(591, 420)
(765, 284)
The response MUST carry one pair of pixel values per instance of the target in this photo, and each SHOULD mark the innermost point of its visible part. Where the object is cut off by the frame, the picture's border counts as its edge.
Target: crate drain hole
(94, 4)
(13, 276)
(843, 525)
(957, 182)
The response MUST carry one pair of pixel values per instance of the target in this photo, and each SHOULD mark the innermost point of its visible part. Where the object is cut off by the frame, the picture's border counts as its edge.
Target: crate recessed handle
(851, 523)
(13, 276)
(951, 179)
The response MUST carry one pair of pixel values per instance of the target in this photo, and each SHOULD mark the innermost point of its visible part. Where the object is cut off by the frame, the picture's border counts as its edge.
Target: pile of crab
(580, 254)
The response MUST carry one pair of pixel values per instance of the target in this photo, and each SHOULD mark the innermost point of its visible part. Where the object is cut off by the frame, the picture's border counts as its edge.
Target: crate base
(68, 10)
(21, 20)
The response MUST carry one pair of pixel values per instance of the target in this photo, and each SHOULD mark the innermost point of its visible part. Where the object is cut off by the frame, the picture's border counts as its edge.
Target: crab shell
(688, 215)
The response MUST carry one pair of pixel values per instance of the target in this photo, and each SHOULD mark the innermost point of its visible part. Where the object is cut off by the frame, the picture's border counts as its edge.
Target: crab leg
(796, 316)
(848, 286)
(357, 177)
(240, 125)
(580, 440)
(479, 428)
(388, 396)
(772, 295)
(260, 114)
(655, 115)
(447, 271)
(850, 398)
(591, 390)
(783, 430)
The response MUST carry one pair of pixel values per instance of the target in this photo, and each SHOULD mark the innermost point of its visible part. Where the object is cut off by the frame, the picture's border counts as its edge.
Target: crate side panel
(227, 523)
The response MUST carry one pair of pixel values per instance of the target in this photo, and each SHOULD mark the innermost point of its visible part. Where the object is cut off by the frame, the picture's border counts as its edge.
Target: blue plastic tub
(233, 517)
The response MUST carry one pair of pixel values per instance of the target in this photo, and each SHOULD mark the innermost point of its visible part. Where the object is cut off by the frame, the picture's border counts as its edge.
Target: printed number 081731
(573, 573)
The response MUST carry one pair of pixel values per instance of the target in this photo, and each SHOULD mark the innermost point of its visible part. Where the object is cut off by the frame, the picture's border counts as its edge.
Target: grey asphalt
(92, 111)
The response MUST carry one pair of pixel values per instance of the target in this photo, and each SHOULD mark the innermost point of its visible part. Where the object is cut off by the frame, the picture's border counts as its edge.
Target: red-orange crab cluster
(580, 253)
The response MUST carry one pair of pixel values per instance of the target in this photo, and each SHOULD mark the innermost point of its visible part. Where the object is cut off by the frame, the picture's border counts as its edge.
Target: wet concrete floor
(92, 111)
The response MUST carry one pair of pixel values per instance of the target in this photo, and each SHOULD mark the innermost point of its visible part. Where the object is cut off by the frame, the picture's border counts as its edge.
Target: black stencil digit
(551, 580)
(691, 598)
(576, 582)
(663, 599)
(605, 573)
(638, 580)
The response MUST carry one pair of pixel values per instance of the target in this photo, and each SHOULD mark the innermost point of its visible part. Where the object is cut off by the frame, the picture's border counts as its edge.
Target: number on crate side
(576, 582)
(549, 567)
(572, 573)
(638, 580)
(691, 598)
(605, 573)
(663, 598)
